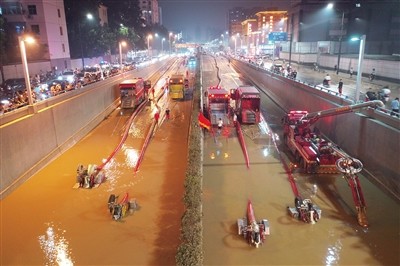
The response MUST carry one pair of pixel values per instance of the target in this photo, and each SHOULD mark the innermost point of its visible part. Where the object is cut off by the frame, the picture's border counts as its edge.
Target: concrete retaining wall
(29, 144)
(374, 143)
(34, 139)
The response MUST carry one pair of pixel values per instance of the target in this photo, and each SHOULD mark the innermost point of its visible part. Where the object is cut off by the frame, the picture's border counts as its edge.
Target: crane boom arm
(313, 117)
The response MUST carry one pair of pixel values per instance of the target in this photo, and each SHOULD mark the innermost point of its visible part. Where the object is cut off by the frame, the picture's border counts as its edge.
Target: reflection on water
(131, 156)
(55, 247)
(333, 251)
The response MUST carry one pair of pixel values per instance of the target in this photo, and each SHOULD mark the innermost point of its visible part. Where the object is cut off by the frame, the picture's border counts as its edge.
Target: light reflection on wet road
(47, 222)
(335, 240)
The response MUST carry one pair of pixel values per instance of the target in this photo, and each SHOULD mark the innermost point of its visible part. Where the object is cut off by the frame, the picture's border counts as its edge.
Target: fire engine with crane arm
(317, 155)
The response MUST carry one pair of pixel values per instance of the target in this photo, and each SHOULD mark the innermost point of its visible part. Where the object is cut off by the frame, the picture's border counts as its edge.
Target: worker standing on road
(351, 72)
(167, 113)
(340, 86)
(157, 117)
(220, 124)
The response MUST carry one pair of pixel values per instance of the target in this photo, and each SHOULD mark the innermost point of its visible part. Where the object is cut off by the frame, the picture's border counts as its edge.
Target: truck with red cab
(246, 104)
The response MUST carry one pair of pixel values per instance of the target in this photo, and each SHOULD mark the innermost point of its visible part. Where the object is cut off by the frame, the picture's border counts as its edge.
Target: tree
(125, 19)
(80, 29)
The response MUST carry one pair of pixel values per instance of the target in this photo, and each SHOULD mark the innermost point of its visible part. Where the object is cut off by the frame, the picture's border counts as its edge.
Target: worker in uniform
(220, 124)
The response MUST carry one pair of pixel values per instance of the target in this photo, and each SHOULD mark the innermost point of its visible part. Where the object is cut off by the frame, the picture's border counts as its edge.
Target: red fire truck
(217, 103)
(132, 92)
(247, 104)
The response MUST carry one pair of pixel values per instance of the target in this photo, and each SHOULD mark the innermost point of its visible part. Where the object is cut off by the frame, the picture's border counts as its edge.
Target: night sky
(202, 20)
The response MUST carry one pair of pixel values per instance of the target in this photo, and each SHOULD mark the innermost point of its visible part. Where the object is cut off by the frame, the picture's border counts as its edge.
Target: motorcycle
(371, 77)
(384, 95)
(326, 83)
(371, 96)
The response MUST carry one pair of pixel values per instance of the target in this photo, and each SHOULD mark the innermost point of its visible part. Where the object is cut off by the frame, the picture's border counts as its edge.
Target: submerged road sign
(277, 36)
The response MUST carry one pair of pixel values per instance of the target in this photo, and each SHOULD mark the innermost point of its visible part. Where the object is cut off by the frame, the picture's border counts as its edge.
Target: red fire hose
(242, 143)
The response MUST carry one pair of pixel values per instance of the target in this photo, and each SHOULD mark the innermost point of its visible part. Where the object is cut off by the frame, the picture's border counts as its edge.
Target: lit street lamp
(22, 40)
(89, 17)
(120, 44)
(360, 62)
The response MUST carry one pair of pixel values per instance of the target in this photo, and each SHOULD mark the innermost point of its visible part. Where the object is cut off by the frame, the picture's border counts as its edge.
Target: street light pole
(291, 41)
(80, 41)
(148, 43)
(90, 17)
(359, 68)
(22, 48)
(235, 45)
(340, 44)
(120, 44)
(170, 42)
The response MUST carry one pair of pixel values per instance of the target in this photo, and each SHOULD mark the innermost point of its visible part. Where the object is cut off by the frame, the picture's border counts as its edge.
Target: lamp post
(170, 41)
(330, 6)
(234, 37)
(89, 17)
(360, 63)
(340, 44)
(120, 44)
(22, 40)
(162, 45)
(148, 43)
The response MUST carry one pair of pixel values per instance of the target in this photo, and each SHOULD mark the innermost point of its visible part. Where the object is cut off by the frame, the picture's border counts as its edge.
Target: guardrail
(380, 114)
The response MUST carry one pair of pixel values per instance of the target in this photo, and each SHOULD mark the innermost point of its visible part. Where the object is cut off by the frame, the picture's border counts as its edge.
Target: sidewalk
(308, 75)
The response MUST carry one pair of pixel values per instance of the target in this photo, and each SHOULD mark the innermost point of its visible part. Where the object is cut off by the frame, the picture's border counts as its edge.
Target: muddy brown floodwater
(48, 222)
(336, 239)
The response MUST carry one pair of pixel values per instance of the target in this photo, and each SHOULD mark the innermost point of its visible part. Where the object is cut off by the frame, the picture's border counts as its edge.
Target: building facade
(150, 11)
(315, 21)
(46, 21)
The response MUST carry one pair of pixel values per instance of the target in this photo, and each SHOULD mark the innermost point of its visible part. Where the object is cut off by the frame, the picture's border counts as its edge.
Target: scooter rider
(327, 81)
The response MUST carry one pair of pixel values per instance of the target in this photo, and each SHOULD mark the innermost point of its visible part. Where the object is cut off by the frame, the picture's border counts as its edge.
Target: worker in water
(157, 117)
(220, 124)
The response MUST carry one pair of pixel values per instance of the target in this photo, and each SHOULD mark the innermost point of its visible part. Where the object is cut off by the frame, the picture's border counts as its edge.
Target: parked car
(14, 84)
(68, 75)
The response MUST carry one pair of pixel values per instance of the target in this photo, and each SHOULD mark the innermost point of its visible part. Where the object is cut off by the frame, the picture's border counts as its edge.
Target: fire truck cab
(132, 92)
(217, 101)
(246, 104)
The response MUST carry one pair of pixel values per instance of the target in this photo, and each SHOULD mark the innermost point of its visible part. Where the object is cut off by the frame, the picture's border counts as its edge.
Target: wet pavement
(308, 75)
(48, 222)
(336, 239)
